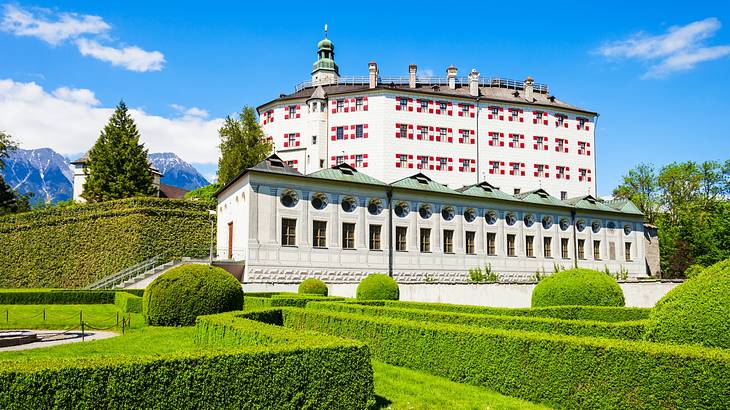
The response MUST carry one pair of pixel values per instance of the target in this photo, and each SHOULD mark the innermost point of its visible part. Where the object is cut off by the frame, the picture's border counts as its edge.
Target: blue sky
(656, 74)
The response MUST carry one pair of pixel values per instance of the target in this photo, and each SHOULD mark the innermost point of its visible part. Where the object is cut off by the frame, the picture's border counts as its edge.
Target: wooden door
(230, 240)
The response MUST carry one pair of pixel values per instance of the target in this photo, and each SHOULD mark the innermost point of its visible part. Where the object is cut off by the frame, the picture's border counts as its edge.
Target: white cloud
(131, 58)
(428, 72)
(69, 121)
(22, 22)
(84, 30)
(194, 112)
(681, 48)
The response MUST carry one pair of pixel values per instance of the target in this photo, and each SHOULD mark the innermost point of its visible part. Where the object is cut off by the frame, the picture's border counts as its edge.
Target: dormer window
(422, 179)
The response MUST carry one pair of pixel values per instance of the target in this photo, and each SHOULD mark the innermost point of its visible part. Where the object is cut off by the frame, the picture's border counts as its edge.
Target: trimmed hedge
(296, 370)
(183, 293)
(695, 312)
(284, 300)
(313, 286)
(578, 287)
(597, 313)
(128, 303)
(625, 330)
(73, 247)
(563, 371)
(378, 287)
(57, 297)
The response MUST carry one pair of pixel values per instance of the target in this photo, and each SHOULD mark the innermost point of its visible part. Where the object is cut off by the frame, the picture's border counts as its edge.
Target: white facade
(77, 167)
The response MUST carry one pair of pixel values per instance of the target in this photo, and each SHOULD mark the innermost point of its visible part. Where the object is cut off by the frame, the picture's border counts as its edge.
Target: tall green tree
(243, 145)
(117, 166)
(641, 187)
(10, 201)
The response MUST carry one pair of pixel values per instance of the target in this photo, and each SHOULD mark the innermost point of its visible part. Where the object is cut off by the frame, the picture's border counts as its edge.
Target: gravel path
(58, 337)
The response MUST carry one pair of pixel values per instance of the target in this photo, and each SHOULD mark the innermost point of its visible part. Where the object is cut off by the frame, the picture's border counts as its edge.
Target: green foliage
(73, 247)
(118, 167)
(183, 293)
(591, 313)
(563, 371)
(243, 145)
(624, 330)
(577, 287)
(688, 202)
(313, 286)
(378, 287)
(695, 312)
(276, 368)
(258, 301)
(693, 271)
(57, 297)
(486, 275)
(205, 195)
(128, 303)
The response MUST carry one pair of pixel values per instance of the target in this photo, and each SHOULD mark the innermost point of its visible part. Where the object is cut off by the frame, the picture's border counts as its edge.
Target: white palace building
(424, 178)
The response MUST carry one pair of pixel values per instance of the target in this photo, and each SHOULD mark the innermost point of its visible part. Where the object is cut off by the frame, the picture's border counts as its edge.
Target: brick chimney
(451, 74)
(412, 76)
(373, 69)
(528, 88)
(474, 82)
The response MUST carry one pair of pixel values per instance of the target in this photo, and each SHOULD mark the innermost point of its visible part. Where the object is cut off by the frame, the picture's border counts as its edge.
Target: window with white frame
(582, 147)
(358, 104)
(340, 159)
(292, 111)
(516, 168)
(538, 116)
(442, 106)
(465, 136)
(340, 105)
(515, 140)
(340, 133)
(424, 162)
(424, 133)
(465, 109)
(539, 143)
(358, 160)
(403, 159)
(540, 170)
(291, 139)
(403, 130)
(494, 138)
(424, 105)
(403, 104)
(515, 114)
(443, 162)
(560, 172)
(442, 134)
(495, 166)
(466, 163)
(358, 131)
(495, 111)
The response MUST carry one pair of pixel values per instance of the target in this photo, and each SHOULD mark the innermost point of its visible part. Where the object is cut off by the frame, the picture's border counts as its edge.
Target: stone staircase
(143, 279)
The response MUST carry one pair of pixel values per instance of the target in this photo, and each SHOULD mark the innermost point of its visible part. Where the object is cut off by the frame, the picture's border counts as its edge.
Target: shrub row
(71, 248)
(633, 330)
(563, 371)
(283, 300)
(57, 297)
(599, 313)
(128, 303)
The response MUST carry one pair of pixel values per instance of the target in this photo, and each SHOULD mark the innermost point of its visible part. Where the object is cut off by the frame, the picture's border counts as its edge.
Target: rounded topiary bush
(578, 287)
(313, 286)
(695, 312)
(378, 287)
(183, 293)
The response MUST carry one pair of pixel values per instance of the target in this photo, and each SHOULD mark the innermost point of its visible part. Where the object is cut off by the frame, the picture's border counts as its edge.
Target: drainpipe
(477, 136)
(575, 239)
(389, 195)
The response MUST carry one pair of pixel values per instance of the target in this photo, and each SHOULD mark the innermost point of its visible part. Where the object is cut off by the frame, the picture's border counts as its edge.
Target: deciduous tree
(243, 145)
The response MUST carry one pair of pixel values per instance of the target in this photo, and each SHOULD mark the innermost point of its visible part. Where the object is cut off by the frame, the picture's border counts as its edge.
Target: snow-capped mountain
(177, 172)
(43, 172)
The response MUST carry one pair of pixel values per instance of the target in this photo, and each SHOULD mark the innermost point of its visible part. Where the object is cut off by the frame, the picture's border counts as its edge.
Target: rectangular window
(403, 159)
(627, 251)
(581, 248)
(612, 251)
(442, 134)
(597, 250)
(561, 145)
(358, 160)
(291, 139)
(465, 136)
(292, 111)
(540, 170)
(403, 104)
(358, 131)
(529, 246)
(448, 241)
(442, 106)
(539, 143)
(495, 111)
(494, 138)
(564, 243)
(516, 168)
(425, 240)
(340, 133)
(470, 242)
(559, 119)
(404, 130)
(424, 133)
(495, 167)
(581, 123)
(563, 195)
(515, 140)
(465, 110)
(515, 114)
(314, 140)
(511, 245)
(424, 161)
(348, 235)
(424, 105)
(465, 163)
(340, 105)
(443, 163)
(400, 238)
(538, 116)
(319, 234)
(374, 237)
(358, 104)
(340, 159)
(491, 243)
(288, 232)
(582, 145)
(547, 247)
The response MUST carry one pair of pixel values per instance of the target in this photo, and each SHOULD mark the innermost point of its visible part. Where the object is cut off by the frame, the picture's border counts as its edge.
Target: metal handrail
(129, 272)
(483, 81)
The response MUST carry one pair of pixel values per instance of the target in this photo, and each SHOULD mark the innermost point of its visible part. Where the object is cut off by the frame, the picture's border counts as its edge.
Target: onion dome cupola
(324, 70)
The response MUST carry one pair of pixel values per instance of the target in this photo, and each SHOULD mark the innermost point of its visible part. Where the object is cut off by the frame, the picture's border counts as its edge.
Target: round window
(375, 206)
(319, 201)
(580, 225)
(448, 213)
(491, 217)
(510, 219)
(402, 209)
(529, 220)
(627, 229)
(564, 224)
(470, 215)
(596, 226)
(348, 204)
(425, 211)
(547, 221)
(611, 225)
(289, 198)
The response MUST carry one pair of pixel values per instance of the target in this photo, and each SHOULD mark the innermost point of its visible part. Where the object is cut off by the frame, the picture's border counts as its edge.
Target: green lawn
(59, 317)
(401, 388)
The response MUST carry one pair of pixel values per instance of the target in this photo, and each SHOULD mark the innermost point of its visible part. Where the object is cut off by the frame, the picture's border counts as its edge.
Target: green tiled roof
(589, 203)
(486, 190)
(345, 173)
(625, 206)
(422, 183)
(540, 197)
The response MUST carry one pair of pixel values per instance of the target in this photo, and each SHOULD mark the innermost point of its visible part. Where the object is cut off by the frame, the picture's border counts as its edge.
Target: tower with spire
(324, 70)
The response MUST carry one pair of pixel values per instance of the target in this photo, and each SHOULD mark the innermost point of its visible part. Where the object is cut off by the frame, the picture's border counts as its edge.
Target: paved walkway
(57, 337)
